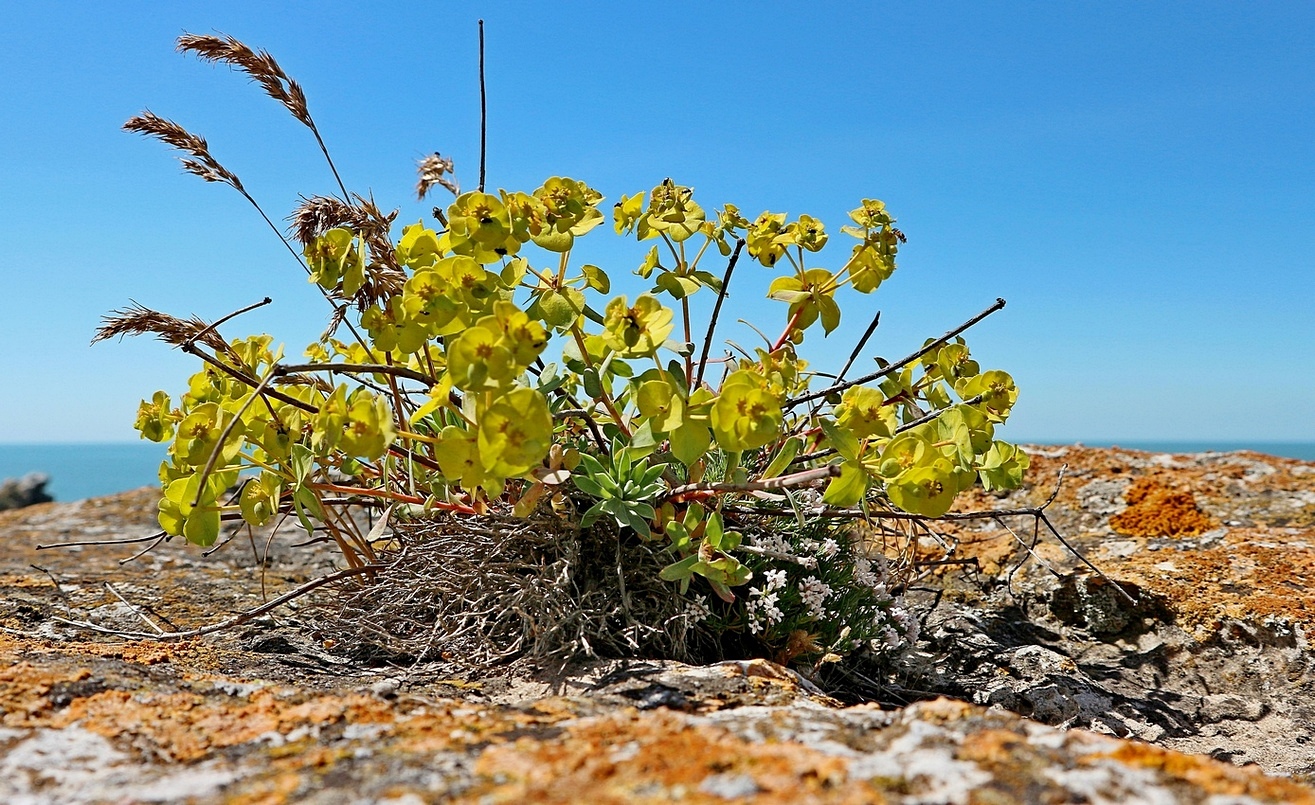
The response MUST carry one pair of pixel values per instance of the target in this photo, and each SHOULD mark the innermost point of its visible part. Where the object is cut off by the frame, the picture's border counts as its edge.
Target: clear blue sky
(1137, 179)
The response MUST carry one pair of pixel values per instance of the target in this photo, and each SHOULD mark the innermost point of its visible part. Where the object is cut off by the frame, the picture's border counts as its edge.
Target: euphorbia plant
(472, 364)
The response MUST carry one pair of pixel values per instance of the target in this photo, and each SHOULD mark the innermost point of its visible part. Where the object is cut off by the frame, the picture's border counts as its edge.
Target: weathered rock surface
(1065, 692)
(15, 493)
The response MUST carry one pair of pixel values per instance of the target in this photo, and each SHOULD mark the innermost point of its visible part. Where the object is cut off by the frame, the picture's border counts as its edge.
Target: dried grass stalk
(138, 320)
(201, 162)
(260, 65)
(318, 214)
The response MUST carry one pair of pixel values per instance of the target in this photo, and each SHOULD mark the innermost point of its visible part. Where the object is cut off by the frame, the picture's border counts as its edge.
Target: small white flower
(814, 593)
(775, 579)
(762, 607)
(829, 548)
(697, 610)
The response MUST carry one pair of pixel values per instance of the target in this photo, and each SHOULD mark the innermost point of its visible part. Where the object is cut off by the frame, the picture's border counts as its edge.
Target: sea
(80, 471)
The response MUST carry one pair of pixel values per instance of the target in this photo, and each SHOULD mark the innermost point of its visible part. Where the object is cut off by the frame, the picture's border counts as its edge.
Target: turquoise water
(86, 470)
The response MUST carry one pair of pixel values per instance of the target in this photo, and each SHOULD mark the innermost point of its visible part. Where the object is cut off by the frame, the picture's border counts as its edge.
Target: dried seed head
(261, 66)
(432, 170)
(137, 319)
(170, 133)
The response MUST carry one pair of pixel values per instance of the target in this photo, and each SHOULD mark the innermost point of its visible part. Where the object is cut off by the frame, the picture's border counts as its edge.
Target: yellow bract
(637, 331)
(864, 412)
(515, 433)
(745, 415)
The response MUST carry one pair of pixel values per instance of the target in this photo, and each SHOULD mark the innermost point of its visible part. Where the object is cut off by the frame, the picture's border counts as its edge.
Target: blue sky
(1137, 180)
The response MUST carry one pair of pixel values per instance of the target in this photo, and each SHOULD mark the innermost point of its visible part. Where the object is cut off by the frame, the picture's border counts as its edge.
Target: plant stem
(902, 362)
(606, 398)
(716, 311)
(483, 111)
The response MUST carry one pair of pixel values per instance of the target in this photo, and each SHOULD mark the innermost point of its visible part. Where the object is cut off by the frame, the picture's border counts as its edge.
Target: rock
(15, 493)
(1053, 675)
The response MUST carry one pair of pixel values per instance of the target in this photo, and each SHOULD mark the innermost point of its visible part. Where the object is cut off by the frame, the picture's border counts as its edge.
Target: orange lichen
(1208, 775)
(629, 756)
(1156, 510)
(1250, 577)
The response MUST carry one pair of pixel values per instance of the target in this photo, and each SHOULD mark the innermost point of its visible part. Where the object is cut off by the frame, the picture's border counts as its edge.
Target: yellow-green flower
(515, 433)
(673, 212)
(626, 213)
(524, 337)
(760, 238)
(745, 415)
(259, 500)
(863, 412)
(928, 489)
(419, 247)
(569, 210)
(155, 420)
(480, 227)
(636, 331)
(368, 429)
(332, 259)
(477, 357)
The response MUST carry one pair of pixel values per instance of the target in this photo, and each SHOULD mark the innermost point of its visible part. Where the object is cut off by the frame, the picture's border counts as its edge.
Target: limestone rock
(15, 493)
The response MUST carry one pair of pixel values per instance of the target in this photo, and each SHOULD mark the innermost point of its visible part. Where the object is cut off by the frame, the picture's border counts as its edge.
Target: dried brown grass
(201, 163)
(260, 65)
(482, 590)
(137, 319)
(434, 170)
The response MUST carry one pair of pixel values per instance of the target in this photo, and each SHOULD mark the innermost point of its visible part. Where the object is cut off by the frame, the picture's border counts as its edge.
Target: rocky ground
(1035, 682)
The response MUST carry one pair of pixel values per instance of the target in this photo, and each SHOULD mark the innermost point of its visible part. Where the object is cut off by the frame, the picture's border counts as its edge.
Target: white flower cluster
(900, 633)
(814, 593)
(697, 610)
(762, 605)
(871, 575)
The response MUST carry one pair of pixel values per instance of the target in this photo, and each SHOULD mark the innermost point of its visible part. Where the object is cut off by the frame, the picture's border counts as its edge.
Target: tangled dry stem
(485, 590)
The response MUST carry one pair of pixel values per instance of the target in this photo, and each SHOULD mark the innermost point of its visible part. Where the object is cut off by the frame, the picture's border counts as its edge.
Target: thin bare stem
(353, 368)
(212, 326)
(128, 541)
(779, 482)
(236, 620)
(483, 111)
(264, 70)
(902, 362)
(223, 437)
(716, 311)
(136, 610)
(862, 342)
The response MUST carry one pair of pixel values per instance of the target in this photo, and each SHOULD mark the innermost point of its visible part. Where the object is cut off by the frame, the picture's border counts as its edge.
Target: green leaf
(302, 461)
(555, 309)
(513, 272)
(679, 570)
(848, 488)
(596, 278)
(591, 516)
(592, 385)
(690, 442)
(588, 486)
(202, 526)
(783, 457)
(830, 313)
(844, 442)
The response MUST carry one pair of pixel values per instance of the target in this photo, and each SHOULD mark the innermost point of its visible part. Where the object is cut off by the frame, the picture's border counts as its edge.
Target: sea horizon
(79, 470)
